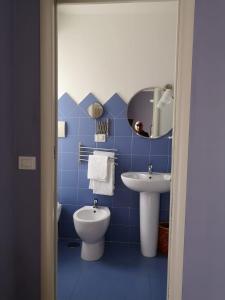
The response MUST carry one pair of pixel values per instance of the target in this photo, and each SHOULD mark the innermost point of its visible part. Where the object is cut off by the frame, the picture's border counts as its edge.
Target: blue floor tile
(122, 274)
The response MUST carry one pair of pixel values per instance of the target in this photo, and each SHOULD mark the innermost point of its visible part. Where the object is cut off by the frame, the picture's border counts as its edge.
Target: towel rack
(84, 152)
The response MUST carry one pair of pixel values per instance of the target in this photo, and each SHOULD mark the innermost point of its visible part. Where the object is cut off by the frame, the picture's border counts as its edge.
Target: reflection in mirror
(150, 112)
(95, 110)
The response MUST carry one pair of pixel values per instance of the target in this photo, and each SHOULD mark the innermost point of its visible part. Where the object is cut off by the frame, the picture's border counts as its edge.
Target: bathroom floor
(122, 274)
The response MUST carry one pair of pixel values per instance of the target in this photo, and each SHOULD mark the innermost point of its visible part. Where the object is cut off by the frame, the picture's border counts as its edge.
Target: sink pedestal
(149, 188)
(149, 222)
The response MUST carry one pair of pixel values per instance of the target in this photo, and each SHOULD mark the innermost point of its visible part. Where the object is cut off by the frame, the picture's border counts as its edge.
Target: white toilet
(91, 224)
(59, 209)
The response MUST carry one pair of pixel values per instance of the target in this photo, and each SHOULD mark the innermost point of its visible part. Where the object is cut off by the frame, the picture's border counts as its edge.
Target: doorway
(50, 272)
(113, 55)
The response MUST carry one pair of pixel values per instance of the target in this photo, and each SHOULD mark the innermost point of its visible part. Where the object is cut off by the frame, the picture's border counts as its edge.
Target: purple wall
(19, 129)
(27, 142)
(204, 260)
(6, 153)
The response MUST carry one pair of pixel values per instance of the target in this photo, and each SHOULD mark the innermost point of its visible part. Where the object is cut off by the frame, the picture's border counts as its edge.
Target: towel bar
(84, 152)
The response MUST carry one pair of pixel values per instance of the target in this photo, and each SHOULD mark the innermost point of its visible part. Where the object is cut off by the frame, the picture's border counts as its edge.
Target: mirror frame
(169, 132)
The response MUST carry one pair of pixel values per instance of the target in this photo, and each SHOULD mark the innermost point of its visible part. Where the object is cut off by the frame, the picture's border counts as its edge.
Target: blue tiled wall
(135, 153)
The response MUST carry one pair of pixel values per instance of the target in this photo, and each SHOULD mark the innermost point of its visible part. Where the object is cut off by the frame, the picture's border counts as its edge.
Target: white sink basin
(143, 182)
(149, 186)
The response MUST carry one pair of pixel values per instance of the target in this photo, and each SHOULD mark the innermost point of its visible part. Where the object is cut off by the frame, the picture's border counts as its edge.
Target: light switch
(61, 129)
(27, 163)
(100, 138)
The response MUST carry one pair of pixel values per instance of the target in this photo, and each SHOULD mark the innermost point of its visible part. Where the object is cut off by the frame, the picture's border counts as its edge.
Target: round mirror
(95, 110)
(150, 112)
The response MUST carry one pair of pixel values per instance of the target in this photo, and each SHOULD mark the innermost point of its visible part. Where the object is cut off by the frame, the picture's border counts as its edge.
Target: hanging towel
(98, 167)
(105, 187)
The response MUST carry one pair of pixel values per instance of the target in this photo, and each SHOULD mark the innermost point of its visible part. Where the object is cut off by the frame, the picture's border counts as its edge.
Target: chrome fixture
(95, 203)
(150, 170)
(102, 127)
(84, 152)
(166, 96)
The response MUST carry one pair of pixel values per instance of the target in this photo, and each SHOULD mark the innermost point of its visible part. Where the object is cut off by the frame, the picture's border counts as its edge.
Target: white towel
(107, 187)
(97, 167)
(104, 153)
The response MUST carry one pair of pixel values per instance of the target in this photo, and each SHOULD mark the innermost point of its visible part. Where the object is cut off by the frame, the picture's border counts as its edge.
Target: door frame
(48, 145)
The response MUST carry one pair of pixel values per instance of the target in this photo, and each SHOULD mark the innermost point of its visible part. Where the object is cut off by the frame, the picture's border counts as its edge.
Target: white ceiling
(115, 8)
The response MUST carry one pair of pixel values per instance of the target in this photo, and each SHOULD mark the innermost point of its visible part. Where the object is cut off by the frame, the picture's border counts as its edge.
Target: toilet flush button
(27, 163)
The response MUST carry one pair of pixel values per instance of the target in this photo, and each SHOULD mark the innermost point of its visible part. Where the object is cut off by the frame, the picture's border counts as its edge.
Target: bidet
(91, 224)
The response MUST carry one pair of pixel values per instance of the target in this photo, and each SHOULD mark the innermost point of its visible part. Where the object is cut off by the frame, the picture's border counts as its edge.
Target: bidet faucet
(150, 169)
(95, 203)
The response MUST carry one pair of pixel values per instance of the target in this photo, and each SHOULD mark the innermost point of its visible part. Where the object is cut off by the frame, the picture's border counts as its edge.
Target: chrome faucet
(95, 203)
(150, 169)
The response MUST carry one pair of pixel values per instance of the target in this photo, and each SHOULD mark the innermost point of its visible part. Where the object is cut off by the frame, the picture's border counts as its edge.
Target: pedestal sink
(149, 186)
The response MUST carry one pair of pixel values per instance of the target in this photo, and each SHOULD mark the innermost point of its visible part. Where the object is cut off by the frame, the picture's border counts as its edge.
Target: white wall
(108, 48)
